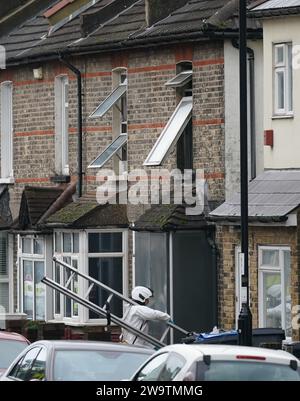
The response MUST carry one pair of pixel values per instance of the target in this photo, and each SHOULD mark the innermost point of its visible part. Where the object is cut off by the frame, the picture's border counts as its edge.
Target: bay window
(100, 254)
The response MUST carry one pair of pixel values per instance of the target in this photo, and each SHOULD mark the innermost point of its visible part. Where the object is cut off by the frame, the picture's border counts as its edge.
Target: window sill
(60, 179)
(79, 324)
(9, 180)
(282, 117)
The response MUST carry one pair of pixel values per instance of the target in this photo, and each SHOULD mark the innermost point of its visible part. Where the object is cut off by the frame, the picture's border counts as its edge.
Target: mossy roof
(170, 218)
(86, 213)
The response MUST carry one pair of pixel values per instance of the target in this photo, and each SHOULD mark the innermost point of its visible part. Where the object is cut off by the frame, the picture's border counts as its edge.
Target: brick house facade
(150, 103)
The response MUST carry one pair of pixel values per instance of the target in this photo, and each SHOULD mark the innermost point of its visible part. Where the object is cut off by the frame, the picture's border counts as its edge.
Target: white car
(197, 362)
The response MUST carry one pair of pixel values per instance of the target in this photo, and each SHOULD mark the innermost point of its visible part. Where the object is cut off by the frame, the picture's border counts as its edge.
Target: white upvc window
(283, 79)
(274, 283)
(66, 248)
(117, 101)
(109, 151)
(107, 263)
(102, 254)
(111, 100)
(181, 79)
(171, 133)
(62, 125)
(32, 263)
(6, 132)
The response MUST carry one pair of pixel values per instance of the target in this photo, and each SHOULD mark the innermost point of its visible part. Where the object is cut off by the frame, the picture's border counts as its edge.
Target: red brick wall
(150, 104)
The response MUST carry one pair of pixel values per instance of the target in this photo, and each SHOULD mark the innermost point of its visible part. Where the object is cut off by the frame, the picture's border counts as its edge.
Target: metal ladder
(104, 310)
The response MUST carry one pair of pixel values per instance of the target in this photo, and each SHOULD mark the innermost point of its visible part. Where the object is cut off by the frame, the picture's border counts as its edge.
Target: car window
(162, 368)
(9, 350)
(38, 368)
(171, 368)
(245, 371)
(22, 368)
(91, 365)
(152, 370)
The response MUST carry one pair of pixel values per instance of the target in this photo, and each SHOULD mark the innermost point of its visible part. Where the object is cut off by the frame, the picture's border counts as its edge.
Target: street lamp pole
(245, 317)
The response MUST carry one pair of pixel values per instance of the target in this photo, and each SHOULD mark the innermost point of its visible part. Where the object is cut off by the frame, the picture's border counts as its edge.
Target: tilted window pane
(109, 101)
(171, 132)
(109, 151)
(180, 80)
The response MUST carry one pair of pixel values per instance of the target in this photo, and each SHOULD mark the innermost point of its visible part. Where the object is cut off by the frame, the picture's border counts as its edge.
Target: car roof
(230, 350)
(7, 335)
(101, 345)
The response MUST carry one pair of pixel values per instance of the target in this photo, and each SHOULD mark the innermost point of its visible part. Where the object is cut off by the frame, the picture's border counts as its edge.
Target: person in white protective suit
(138, 316)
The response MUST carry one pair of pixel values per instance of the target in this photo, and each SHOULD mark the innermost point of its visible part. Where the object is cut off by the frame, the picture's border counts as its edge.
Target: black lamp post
(245, 317)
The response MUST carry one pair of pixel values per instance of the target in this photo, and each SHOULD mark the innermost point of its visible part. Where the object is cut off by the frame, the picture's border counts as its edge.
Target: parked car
(190, 362)
(11, 345)
(76, 361)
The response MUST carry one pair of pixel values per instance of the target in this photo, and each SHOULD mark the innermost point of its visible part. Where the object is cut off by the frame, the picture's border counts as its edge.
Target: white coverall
(138, 316)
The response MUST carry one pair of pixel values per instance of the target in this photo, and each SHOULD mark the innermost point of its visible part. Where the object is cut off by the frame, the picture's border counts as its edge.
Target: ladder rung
(69, 280)
(164, 334)
(107, 301)
(89, 290)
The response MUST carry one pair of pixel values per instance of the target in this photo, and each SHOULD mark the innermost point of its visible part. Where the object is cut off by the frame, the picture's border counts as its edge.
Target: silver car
(209, 362)
(76, 361)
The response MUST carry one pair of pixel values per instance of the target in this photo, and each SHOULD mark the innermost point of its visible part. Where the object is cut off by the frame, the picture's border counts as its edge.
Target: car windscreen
(90, 365)
(9, 350)
(245, 371)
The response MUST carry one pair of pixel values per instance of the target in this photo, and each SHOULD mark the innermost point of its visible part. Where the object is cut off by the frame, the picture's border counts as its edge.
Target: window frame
(121, 137)
(7, 172)
(165, 135)
(62, 124)
(284, 67)
(83, 267)
(123, 254)
(61, 255)
(31, 257)
(111, 99)
(117, 101)
(272, 269)
(175, 82)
